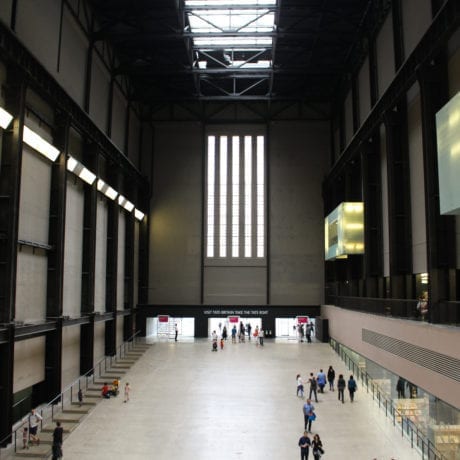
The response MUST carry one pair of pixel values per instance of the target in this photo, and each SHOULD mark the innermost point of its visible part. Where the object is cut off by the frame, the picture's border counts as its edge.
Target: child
(222, 343)
(127, 391)
(80, 396)
(25, 438)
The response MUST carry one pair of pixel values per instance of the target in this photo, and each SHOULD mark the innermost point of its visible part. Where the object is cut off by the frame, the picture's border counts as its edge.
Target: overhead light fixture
(39, 144)
(108, 191)
(139, 215)
(5, 118)
(81, 171)
(125, 203)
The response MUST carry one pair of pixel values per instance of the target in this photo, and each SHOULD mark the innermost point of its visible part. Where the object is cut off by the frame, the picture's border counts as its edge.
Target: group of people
(113, 390)
(30, 434)
(317, 384)
(239, 332)
(304, 332)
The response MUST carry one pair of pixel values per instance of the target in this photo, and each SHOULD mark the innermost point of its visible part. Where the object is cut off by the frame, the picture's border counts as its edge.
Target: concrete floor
(239, 403)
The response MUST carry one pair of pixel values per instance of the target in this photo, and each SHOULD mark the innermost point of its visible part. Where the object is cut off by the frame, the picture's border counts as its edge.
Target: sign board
(233, 319)
(163, 318)
(302, 319)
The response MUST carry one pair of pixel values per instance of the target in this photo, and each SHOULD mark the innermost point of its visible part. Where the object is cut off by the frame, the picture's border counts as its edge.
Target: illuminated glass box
(344, 231)
(448, 138)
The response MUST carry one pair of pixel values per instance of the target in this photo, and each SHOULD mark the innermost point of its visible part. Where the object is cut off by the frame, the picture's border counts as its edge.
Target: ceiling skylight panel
(219, 3)
(232, 41)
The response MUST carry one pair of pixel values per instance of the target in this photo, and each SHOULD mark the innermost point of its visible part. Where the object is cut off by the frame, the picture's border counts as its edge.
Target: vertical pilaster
(112, 264)
(55, 279)
(91, 160)
(129, 272)
(10, 182)
(440, 230)
(399, 216)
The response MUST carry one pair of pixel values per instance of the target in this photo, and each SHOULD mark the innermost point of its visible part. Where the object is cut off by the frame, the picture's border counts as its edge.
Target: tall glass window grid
(235, 197)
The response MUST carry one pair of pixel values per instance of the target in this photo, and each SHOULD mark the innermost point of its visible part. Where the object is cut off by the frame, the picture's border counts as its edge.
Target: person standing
(214, 341)
(400, 388)
(261, 337)
(176, 331)
(313, 386)
(352, 387)
(34, 420)
(308, 414)
(299, 385)
(317, 447)
(224, 333)
(127, 391)
(57, 441)
(80, 396)
(309, 330)
(25, 437)
(321, 379)
(249, 328)
(341, 384)
(304, 444)
(331, 378)
(234, 334)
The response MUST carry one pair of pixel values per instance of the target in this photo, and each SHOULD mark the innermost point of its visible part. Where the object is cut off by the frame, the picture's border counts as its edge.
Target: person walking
(313, 386)
(224, 333)
(352, 387)
(127, 391)
(331, 377)
(234, 334)
(249, 328)
(57, 441)
(176, 331)
(34, 420)
(321, 379)
(214, 341)
(261, 337)
(299, 385)
(317, 447)
(341, 384)
(80, 396)
(309, 330)
(304, 444)
(308, 414)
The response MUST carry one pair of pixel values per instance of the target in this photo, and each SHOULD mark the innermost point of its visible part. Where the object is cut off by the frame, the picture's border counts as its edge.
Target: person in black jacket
(341, 384)
(352, 387)
(57, 441)
(331, 378)
(304, 444)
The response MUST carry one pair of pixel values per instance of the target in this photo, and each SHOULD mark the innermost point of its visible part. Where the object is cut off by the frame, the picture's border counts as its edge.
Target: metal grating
(437, 362)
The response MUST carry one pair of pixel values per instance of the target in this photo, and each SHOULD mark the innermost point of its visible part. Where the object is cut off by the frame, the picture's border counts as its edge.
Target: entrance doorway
(288, 327)
(213, 325)
(163, 326)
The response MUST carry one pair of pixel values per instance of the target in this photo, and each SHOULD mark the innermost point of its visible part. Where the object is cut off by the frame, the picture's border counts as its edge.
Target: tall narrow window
(247, 196)
(211, 195)
(235, 206)
(235, 196)
(223, 197)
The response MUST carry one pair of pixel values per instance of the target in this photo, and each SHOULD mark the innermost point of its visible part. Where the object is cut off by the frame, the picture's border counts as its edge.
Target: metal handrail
(47, 412)
(408, 427)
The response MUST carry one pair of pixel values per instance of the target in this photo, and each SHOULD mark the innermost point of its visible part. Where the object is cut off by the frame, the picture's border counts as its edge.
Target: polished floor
(239, 403)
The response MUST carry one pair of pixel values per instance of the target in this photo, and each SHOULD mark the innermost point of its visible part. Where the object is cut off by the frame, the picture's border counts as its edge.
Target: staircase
(73, 413)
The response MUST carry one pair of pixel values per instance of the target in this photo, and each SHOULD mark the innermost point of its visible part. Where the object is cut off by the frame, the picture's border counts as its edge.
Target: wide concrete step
(88, 404)
(41, 451)
(67, 426)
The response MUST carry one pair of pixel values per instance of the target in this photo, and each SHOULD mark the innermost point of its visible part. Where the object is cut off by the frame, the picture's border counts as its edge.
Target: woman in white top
(299, 386)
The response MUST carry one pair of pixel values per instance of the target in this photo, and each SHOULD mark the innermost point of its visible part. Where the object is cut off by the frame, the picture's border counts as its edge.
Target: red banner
(163, 318)
(233, 319)
(302, 319)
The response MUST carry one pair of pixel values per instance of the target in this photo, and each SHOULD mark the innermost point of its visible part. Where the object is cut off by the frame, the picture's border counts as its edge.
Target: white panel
(385, 223)
(348, 112)
(385, 55)
(5, 11)
(70, 355)
(364, 91)
(29, 363)
(37, 26)
(101, 255)
(72, 63)
(417, 187)
(35, 197)
(118, 118)
(121, 261)
(134, 133)
(99, 341)
(99, 95)
(73, 250)
(416, 20)
(31, 281)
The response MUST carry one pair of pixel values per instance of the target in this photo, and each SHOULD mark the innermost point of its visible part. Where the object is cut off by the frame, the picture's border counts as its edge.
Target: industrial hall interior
(230, 229)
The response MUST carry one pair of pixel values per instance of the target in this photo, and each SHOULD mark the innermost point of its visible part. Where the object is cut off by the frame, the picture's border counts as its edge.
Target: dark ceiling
(316, 44)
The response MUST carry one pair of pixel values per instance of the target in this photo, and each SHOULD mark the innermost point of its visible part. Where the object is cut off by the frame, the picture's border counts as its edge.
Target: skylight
(240, 29)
